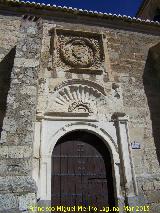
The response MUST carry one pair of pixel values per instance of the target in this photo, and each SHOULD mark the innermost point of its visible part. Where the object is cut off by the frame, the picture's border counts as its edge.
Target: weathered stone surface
(154, 207)
(15, 166)
(11, 211)
(8, 201)
(16, 184)
(148, 186)
(157, 185)
(4, 152)
(20, 62)
(153, 197)
(27, 201)
(19, 151)
(17, 187)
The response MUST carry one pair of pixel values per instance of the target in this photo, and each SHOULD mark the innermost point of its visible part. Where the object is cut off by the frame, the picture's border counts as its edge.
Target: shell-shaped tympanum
(75, 99)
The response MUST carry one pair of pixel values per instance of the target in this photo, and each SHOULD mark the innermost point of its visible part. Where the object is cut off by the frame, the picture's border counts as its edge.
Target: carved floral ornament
(78, 52)
(76, 99)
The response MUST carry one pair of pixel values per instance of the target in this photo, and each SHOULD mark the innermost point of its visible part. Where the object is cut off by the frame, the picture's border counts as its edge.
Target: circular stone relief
(78, 53)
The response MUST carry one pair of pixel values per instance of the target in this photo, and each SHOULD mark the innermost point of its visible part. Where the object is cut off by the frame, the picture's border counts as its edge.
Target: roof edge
(79, 11)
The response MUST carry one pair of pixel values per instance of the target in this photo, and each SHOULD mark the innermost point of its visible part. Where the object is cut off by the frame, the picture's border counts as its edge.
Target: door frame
(46, 141)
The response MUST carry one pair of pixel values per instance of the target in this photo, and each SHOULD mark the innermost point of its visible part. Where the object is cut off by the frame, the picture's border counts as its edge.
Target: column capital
(119, 116)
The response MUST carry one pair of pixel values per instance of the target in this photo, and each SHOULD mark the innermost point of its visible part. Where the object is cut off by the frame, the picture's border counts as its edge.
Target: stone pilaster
(128, 182)
(17, 186)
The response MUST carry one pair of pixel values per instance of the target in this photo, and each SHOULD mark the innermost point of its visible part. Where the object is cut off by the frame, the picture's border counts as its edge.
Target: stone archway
(53, 130)
(81, 172)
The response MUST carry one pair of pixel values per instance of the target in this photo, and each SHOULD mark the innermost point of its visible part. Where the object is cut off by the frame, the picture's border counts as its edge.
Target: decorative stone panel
(75, 98)
(79, 97)
(77, 52)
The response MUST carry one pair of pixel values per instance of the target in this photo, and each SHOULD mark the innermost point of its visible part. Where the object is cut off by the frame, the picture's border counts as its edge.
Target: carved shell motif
(77, 99)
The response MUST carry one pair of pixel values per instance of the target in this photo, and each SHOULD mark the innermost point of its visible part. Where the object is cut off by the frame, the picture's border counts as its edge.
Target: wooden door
(81, 172)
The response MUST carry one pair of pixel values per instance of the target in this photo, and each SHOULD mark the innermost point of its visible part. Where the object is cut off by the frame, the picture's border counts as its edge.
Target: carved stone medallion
(78, 52)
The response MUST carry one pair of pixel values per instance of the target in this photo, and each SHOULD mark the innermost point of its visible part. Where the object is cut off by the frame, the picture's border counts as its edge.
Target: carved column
(18, 127)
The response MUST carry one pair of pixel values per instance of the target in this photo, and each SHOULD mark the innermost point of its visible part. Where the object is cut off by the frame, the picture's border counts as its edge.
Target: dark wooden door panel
(79, 174)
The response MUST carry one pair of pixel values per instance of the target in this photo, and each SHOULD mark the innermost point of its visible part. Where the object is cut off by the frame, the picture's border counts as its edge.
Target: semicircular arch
(103, 135)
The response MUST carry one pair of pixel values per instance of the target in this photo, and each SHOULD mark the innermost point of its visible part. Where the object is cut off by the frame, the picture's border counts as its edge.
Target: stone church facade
(68, 73)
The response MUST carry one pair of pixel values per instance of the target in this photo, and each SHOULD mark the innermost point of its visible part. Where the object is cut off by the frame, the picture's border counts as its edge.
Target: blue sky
(123, 7)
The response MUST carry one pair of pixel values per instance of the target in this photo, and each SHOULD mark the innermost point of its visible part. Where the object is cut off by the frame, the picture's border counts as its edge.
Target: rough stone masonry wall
(16, 184)
(9, 32)
(131, 63)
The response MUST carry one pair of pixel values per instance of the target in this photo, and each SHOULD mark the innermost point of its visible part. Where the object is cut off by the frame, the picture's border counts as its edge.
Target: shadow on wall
(6, 66)
(151, 81)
